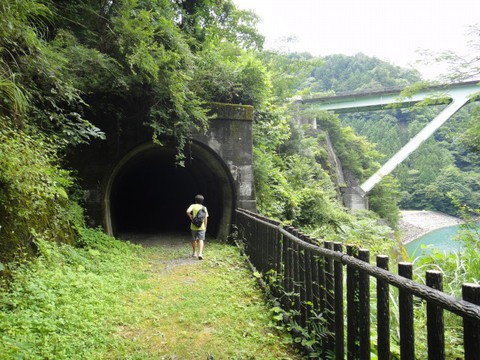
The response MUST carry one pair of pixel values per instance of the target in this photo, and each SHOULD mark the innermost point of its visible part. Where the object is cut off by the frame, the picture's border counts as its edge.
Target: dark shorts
(198, 234)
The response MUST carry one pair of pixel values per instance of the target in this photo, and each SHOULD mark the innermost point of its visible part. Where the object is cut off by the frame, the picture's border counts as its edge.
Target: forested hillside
(443, 170)
(342, 73)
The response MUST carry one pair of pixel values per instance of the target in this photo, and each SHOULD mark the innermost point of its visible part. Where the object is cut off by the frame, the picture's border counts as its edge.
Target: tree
(288, 73)
(459, 67)
(33, 82)
(462, 68)
(226, 73)
(66, 61)
(215, 21)
(342, 73)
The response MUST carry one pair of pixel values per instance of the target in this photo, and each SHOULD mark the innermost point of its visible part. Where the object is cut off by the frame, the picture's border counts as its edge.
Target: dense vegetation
(70, 69)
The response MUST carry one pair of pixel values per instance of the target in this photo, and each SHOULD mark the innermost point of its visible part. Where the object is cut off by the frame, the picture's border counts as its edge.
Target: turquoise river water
(441, 239)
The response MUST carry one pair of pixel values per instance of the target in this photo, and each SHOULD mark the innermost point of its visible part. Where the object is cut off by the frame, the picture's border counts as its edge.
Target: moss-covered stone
(231, 111)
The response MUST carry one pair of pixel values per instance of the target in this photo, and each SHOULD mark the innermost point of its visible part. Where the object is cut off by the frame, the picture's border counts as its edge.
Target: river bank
(416, 223)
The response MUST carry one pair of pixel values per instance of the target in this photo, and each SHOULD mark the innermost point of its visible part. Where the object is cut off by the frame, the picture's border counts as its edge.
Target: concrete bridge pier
(354, 198)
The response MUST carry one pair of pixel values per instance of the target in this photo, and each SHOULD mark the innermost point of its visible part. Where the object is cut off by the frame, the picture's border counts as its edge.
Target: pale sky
(391, 30)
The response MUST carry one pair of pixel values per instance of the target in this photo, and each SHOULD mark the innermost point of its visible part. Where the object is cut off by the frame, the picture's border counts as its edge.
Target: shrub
(34, 199)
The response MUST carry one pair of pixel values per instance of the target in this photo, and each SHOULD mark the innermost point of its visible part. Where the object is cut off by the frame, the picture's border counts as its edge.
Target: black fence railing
(329, 288)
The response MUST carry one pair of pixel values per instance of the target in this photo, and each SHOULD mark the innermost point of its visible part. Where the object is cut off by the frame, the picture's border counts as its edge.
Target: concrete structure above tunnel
(133, 185)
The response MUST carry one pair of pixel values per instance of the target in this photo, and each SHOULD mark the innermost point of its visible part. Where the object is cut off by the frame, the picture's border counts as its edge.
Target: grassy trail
(211, 308)
(112, 300)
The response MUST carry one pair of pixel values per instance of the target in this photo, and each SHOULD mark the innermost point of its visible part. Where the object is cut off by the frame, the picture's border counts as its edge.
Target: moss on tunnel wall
(232, 111)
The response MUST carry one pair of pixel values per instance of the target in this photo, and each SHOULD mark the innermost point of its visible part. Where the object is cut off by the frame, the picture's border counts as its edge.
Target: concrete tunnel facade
(135, 186)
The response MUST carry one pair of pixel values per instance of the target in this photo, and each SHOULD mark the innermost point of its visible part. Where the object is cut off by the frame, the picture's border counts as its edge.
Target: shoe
(200, 257)
(194, 255)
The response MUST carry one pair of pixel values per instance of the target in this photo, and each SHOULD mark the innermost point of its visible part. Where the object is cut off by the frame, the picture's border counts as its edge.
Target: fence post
(435, 323)
(279, 265)
(364, 307)
(339, 322)
(291, 272)
(352, 308)
(287, 272)
(278, 252)
(308, 284)
(471, 328)
(260, 250)
(302, 256)
(315, 283)
(405, 300)
(383, 312)
(329, 308)
(273, 247)
(253, 243)
(297, 283)
(268, 246)
(303, 285)
(321, 283)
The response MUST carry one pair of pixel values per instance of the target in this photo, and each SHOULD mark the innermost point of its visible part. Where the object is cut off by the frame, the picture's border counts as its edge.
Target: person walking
(198, 212)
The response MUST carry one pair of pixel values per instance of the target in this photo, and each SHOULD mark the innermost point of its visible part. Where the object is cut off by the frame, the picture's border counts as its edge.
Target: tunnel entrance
(149, 193)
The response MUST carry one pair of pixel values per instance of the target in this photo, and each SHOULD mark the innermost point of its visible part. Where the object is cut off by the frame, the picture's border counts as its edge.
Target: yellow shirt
(195, 208)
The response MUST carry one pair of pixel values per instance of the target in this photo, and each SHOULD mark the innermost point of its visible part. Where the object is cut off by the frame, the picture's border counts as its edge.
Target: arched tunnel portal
(148, 192)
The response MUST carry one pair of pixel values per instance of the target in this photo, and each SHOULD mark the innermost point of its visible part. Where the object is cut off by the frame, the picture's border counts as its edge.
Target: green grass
(112, 300)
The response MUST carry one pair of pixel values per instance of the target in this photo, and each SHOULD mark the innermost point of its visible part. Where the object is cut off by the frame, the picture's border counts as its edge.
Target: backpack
(200, 217)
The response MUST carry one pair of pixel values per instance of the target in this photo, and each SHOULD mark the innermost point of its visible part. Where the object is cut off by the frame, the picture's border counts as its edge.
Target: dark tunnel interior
(151, 193)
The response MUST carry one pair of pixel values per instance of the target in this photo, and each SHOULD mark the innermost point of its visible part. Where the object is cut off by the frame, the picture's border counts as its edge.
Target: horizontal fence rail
(316, 280)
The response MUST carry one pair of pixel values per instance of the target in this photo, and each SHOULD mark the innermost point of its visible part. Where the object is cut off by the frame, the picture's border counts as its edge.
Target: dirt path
(173, 242)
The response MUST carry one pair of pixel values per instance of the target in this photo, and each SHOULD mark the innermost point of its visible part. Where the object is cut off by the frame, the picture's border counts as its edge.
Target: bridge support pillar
(354, 199)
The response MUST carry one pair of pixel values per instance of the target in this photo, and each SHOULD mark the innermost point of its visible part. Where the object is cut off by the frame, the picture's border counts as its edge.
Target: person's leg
(200, 249)
(194, 243)
(201, 238)
(194, 247)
